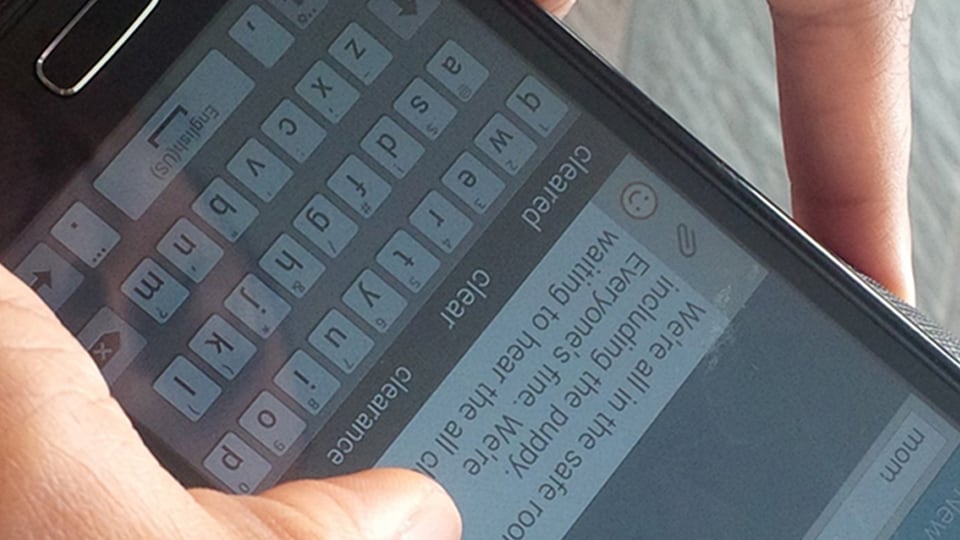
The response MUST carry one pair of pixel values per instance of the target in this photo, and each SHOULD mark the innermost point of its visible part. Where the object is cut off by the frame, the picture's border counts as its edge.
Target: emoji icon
(639, 201)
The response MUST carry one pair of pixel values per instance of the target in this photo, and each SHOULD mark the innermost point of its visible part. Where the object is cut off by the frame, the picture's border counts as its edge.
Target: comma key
(262, 36)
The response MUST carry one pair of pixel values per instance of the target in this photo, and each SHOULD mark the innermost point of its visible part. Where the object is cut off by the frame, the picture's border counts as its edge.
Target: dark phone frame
(713, 186)
(663, 144)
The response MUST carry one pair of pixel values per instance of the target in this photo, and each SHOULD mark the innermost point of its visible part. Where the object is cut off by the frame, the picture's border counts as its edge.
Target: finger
(559, 8)
(845, 103)
(379, 504)
(68, 454)
(71, 461)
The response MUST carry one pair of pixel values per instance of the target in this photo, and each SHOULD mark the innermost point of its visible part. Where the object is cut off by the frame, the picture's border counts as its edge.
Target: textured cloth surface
(710, 64)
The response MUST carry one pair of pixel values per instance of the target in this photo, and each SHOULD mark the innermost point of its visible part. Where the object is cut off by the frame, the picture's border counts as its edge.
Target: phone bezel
(762, 227)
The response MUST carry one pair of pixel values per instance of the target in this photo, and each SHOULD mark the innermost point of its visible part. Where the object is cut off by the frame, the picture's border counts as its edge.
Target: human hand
(71, 464)
(844, 69)
(845, 105)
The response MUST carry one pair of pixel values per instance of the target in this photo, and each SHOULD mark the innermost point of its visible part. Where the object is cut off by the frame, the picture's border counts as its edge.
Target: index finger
(845, 105)
(558, 7)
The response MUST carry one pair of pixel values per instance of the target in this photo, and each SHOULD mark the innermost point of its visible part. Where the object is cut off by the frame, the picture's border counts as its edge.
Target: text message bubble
(562, 384)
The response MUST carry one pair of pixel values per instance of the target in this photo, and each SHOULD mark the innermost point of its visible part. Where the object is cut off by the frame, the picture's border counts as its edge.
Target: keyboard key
(458, 71)
(392, 147)
(86, 235)
(257, 306)
(427, 110)
(155, 291)
(294, 131)
(359, 186)
(262, 36)
(300, 12)
(174, 135)
(238, 466)
(360, 53)
(222, 347)
(441, 222)
(404, 17)
(473, 182)
(185, 387)
(327, 92)
(536, 105)
(49, 275)
(341, 341)
(375, 301)
(292, 266)
(408, 261)
(193, 252)
(326, 226)
(224, 209)
(260, 170)
(506, 145)
(307, 382)
(111, 342)
(272, 424)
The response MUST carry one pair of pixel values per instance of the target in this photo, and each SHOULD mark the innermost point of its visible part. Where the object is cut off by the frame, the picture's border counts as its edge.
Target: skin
(71, 464)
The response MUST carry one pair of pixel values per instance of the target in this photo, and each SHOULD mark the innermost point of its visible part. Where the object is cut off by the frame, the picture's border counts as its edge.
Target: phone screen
(342, 234)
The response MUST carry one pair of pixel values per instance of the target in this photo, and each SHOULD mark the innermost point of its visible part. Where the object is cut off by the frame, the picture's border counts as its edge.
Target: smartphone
(304, 238)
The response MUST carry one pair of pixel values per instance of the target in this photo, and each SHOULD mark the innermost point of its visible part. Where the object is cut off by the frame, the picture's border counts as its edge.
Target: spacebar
(174, 135)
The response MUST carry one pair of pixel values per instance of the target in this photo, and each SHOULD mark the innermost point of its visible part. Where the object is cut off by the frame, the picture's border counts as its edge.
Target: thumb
(378, 504)
(72, 463)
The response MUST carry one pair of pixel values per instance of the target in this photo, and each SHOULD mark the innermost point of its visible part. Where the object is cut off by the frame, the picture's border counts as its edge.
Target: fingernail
(437, 518)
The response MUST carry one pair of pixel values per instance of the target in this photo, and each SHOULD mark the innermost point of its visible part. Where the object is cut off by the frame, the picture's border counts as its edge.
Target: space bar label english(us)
(174, 135)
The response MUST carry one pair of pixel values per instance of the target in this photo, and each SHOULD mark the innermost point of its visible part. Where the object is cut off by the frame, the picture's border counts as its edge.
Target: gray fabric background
(710, 64)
